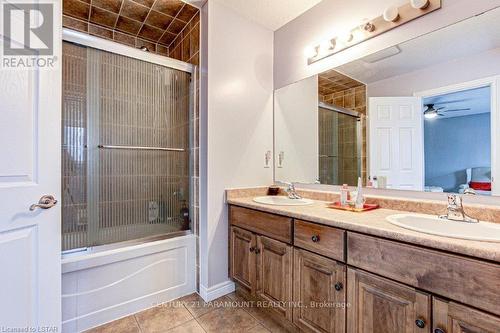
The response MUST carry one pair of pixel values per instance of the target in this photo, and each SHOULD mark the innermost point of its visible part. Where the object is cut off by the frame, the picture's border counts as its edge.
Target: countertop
(374, 223)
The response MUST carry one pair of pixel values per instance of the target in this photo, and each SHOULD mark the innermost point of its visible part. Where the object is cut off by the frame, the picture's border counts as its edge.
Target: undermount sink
(282, 201)
(482, 231)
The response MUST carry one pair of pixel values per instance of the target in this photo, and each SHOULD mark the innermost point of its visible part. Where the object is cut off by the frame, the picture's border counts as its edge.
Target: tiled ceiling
(157, 21)
(332, 81)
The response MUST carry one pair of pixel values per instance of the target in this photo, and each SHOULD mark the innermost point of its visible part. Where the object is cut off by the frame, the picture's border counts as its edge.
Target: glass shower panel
(339, 139)
(125, 148)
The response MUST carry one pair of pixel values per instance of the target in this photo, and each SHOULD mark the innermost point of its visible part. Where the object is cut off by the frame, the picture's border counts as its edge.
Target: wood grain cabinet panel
(274, 226)
(242, 258)
(378, 305)
(321, 239)
(469, 281)
(274, 274)
(319, 290)
(450, 317)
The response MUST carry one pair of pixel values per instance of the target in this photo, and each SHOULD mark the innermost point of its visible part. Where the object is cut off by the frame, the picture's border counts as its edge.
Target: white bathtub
(107, 285)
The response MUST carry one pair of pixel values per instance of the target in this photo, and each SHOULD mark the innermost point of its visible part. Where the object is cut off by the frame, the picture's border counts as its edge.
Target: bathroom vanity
(311, 261)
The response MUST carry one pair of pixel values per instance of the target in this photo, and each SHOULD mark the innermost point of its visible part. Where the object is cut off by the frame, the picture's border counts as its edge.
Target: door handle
(45, 202)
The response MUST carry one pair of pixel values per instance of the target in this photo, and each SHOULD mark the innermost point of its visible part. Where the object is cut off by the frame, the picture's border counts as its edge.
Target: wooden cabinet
(450, 317)
(444, 274)
(379, 305)
(242, 258)
(319, 290)
(274, 274)
(263, 267)
(384, 287)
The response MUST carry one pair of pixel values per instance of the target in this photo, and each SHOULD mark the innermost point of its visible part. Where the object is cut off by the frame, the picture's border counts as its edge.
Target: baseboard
(219, 290)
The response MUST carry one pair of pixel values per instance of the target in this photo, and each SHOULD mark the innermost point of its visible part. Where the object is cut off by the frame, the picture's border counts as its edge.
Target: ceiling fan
(432, 112)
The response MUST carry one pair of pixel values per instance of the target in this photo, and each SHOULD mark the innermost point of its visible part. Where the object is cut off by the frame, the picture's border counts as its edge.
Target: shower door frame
(84, 39)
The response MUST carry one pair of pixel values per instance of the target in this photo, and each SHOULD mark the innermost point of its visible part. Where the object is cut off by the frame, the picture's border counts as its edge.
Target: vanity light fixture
(391, 18)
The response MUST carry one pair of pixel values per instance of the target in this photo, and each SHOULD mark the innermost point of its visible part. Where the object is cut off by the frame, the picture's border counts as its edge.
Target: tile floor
(190, 314)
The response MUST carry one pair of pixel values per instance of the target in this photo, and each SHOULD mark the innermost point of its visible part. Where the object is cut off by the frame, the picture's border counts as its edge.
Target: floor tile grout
(137, 322)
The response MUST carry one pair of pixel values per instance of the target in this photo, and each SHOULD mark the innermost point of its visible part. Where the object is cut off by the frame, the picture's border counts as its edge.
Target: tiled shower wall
(352, 99)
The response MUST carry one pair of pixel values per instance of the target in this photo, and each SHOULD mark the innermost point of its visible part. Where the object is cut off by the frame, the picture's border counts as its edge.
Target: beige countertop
(375, 223)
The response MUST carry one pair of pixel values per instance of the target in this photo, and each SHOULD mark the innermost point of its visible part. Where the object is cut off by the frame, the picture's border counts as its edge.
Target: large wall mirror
(423, 115)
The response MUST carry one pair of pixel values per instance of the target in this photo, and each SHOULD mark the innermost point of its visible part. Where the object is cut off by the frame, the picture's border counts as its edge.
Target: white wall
(296, 131)
(237, 76)
(330, 16)
(459, 70)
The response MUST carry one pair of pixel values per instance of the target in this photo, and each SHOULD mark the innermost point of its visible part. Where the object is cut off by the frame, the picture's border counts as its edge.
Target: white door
(397, 141)
(30, 241)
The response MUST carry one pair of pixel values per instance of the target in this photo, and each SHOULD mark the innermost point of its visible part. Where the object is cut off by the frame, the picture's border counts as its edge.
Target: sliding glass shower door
(126, 148)
(339, 146)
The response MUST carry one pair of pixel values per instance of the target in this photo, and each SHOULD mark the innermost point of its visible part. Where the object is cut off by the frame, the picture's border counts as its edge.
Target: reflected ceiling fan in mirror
(432, 112)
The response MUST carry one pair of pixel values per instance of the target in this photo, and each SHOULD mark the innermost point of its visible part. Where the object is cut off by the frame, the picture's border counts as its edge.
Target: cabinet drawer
(466, 280)
(321, 239)
(274, 226)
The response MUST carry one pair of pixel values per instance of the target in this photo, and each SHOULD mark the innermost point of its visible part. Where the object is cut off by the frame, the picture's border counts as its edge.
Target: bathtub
(101, 286)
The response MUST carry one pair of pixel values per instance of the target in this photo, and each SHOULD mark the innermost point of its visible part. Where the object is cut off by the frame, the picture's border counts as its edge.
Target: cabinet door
(274, 274)
(242, 255)
(451, 317)
(318, 285)
(379, 305)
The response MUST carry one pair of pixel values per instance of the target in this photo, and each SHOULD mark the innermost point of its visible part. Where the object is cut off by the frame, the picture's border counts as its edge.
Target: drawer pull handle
(420, 323)
(439, 330)
(315, 238)
(257, 251)
(338, 286)
(252, 248)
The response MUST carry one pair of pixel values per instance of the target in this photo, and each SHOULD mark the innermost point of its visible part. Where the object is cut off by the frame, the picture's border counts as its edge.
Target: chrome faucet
(290, 190)
(455, 210)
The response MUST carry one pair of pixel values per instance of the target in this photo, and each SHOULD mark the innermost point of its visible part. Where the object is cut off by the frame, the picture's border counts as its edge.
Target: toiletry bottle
(375, 182)
(344, 195)
(360, 200)
(369, 183)
(185, 215)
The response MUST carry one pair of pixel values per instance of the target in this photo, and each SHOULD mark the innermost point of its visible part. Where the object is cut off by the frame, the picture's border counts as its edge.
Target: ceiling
(477, 100)
(472, 36)
(272, 14)
(157, 21)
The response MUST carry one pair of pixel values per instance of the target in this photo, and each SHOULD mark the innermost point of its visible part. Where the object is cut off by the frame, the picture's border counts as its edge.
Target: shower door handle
(45, 202)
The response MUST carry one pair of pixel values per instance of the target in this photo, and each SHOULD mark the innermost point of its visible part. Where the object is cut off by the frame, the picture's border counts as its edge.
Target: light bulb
(346, 36)
(430, 115)
(391, 14)
(310, 52)
(326, 46)
(419, 4)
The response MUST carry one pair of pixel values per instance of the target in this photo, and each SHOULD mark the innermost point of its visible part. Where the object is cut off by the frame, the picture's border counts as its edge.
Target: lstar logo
(28, 35)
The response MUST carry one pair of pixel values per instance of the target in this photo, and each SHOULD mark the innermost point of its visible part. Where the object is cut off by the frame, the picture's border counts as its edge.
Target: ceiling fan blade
(455, 110)
(453, 101)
